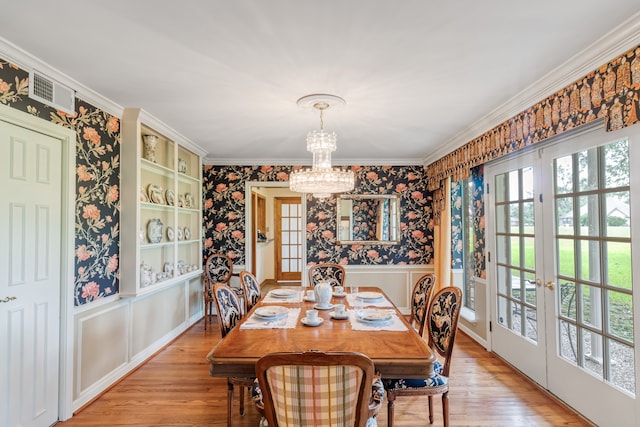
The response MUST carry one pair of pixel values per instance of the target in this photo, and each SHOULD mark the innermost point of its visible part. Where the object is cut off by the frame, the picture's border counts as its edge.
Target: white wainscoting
(115, 336)
(396, 281)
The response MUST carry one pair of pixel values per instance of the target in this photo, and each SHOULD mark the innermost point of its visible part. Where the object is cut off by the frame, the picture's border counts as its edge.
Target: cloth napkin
(294, 299)
(395, 324)
(289, 322)
(351, 299)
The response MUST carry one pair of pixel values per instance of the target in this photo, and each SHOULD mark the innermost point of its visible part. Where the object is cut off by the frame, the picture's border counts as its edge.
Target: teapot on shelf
(324, 292)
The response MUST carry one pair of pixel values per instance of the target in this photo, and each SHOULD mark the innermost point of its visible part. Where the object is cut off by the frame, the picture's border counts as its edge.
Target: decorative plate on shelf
(143, 195)
(188, 201)
(181, 201)
(156, 193)
(179, 234)
(170, 234)
(187, 233)
(154, 230)
(170, 196)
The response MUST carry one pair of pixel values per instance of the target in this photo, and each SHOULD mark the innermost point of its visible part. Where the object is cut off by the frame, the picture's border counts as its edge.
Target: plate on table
(271, 311)
(323, 307)
(306, 322)
(376, 316)
(156, 194)
(339, 295)
(370, 296)
(283, 293)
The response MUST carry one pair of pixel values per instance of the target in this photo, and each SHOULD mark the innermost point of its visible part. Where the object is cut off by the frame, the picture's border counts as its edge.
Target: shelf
(187, 178)
(156, 206)
(156, 168)
(146, 246)
(160, 158)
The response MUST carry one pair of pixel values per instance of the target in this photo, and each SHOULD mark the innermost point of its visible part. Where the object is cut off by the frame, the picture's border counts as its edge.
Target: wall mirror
(368, 219)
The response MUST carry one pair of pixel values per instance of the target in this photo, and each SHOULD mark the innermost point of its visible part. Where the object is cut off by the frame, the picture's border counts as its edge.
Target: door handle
(550, 284)
(7, 299)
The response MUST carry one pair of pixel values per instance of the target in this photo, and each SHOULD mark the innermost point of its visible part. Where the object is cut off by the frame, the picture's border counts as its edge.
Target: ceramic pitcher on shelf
(324, 292)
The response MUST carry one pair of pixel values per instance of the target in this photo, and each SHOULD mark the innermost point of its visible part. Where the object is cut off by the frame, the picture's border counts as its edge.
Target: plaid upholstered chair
(229, 315)
(318, 389)
(250, 289)
(422, 291)
(442, 325)
(322, 272)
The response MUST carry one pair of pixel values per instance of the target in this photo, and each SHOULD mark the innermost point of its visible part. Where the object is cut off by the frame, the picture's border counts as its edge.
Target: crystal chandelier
(321, 180)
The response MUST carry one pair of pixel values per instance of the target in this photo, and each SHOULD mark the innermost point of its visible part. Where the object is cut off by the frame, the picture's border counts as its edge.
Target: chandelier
(321, 180)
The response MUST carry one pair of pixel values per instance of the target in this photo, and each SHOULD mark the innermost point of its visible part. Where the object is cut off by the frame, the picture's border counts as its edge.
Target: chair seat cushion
(403, 383)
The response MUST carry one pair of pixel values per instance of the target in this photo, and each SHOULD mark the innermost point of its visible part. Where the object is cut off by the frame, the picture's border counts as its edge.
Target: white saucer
(307, 323)
(318, 307)
(309, 299)
(342, 295)
(334, 316)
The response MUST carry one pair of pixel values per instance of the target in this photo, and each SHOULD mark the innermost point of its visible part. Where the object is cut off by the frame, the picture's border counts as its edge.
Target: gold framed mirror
(368, 219)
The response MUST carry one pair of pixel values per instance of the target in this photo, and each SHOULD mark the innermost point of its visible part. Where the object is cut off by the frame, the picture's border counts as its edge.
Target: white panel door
(30, 224)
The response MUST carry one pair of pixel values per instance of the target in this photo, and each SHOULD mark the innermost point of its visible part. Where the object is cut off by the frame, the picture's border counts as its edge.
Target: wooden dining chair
(335, 273)
(441, 327)
(217, 269)
(315, 388)
(422, 291)
(229, 315)
(250, 289)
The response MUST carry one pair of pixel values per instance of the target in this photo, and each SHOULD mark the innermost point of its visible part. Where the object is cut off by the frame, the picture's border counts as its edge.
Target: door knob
(539, 282)
(550, 284)
(7, 299)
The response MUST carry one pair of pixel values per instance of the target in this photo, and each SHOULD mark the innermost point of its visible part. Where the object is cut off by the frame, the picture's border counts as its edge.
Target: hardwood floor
(174, 389)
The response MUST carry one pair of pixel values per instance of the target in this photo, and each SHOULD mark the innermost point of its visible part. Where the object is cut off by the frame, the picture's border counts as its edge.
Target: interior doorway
(261, 253)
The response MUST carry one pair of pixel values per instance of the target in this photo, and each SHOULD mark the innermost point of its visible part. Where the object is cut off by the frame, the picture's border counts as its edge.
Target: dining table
(394, 346)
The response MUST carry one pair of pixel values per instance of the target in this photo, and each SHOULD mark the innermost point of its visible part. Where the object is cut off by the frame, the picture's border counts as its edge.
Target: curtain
(442, 240)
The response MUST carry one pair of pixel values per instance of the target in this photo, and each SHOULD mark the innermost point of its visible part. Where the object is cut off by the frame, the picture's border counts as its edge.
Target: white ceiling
(420, 77)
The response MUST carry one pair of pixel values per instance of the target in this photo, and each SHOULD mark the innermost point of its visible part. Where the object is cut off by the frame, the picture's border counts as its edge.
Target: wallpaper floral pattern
(97, 204)
(224, 216)
(476, 188)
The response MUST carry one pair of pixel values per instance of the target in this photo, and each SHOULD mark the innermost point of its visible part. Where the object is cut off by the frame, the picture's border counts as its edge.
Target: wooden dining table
(395, 353)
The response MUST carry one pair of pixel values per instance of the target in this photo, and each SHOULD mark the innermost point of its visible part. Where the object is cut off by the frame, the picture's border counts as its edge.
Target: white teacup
(338, 290)
(339, 310)
(311, 295)
(312, 316)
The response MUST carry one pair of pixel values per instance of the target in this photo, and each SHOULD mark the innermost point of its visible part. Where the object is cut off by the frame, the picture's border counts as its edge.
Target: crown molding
(28, 62)
(621, 39)
(306, 162)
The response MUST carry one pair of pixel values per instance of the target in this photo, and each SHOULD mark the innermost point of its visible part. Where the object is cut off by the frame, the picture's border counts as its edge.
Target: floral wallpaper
(457, 225)
(97, 204)
(224, 216)
(476, 188)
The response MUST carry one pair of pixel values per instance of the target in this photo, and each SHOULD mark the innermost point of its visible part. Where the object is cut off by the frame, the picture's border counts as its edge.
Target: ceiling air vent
(50, 92)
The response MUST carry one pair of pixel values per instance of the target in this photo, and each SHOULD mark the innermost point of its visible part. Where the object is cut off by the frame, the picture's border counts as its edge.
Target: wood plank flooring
(174, 389)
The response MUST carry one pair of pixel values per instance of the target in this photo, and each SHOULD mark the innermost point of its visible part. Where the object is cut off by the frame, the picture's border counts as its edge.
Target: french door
(560, 236)
(288, 238)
